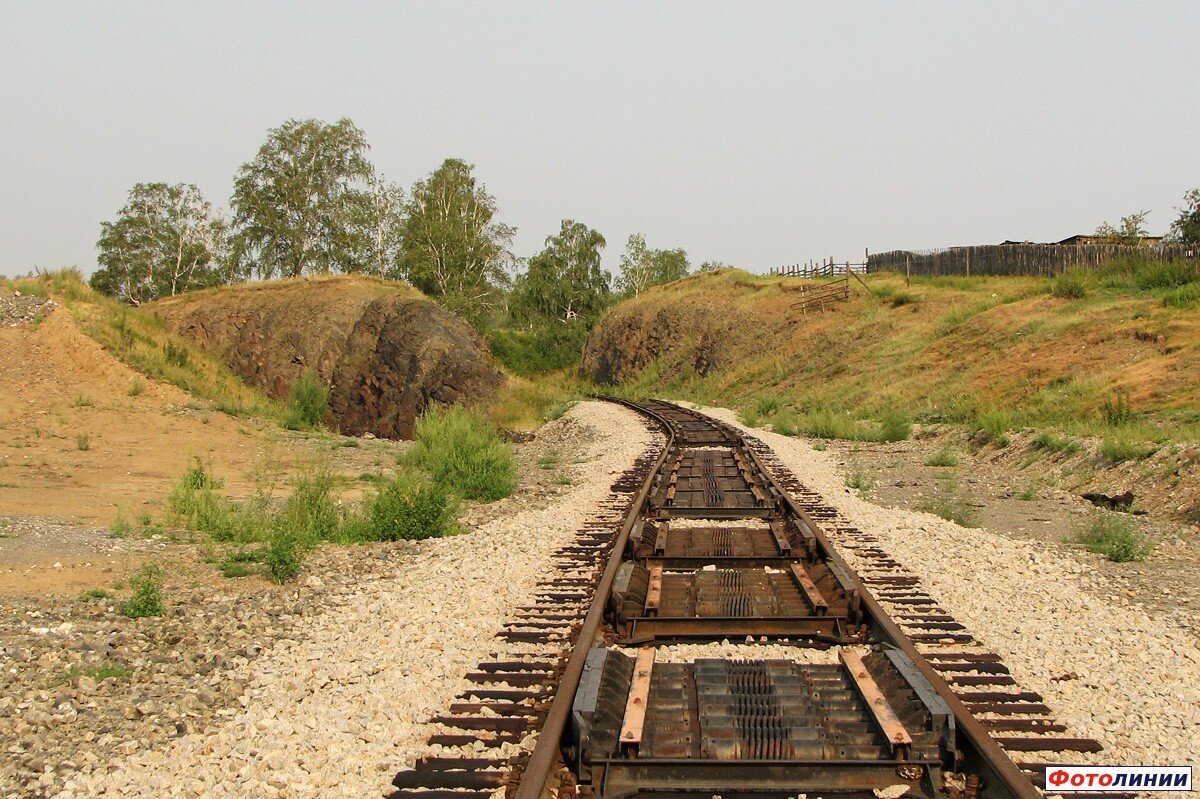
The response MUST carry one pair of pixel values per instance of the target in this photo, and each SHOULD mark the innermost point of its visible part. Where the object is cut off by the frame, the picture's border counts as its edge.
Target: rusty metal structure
(711, 539)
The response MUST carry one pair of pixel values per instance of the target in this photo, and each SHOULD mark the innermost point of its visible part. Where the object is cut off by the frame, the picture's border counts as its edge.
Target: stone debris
(19, 309)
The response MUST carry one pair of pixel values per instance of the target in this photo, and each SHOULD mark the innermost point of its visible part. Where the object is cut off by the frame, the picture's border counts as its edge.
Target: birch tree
(564, 282)
(297, 204)
(165, 240)
(452, 248)
(642, 267)
(380, 222)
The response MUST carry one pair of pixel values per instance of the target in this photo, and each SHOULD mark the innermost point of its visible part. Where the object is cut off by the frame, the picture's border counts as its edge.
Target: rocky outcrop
(386, 350)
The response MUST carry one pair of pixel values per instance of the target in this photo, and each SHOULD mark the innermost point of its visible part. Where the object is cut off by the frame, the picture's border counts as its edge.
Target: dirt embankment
(387, 351)
(942, 350)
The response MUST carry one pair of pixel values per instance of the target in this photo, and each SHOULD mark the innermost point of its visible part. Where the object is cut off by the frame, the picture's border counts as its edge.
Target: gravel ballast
(338, 710)
(1110, 671)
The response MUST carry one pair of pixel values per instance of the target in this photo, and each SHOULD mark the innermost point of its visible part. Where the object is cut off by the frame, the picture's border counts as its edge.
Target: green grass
(1183, 297)
(461, 450)
(120, 527)
(147, 597)
(83, 401)
(943, 458)
(1120, 447)
(1028, 494)
(950, 504)
(307, 402)
(994, 426)
(1116, 538)
(1116, 410)
(1072, 285)
(549, 459)
(83, 442)
(108, 670)
(858, 479)
(136, 388)
(1052, 442)
(94, 593)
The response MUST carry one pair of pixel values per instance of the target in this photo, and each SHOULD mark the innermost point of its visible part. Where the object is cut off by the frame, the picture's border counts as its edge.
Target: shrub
(176, 356)
(1118, 448)
(765, 406)
(147, 599)
(825, 423)
(942, 458)
(463, 452)
(1117, 538)
(310, 514)
(306, 402)
(83, 442)
(858, 479)
(1183, 297)
(136, 388)
(120, 526)
(994, 425)
(283, 554)
(895, 426)
(786, 423)
(1071, 285)
(1116, 409)
(410, 508)
(902, 298)
(83, 401)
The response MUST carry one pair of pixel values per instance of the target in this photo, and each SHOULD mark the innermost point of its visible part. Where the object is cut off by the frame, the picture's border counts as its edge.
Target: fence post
(968, 262)
(908, 270)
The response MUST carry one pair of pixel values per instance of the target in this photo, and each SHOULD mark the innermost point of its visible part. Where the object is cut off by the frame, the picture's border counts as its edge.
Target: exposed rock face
(386, 350)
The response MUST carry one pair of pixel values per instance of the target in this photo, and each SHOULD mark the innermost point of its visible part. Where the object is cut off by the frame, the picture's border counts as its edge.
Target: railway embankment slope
(1095, 389)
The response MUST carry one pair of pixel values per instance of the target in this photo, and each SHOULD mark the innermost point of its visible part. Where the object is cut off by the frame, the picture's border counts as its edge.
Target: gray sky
(757, 134)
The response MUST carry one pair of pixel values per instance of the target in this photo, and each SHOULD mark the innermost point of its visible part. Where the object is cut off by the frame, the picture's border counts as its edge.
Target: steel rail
(546, 751)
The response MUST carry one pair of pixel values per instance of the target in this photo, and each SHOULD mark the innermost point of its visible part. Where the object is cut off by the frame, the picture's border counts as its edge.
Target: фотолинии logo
(1066, 779)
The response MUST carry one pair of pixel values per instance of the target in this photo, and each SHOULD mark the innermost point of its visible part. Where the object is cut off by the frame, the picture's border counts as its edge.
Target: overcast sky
(757, 134)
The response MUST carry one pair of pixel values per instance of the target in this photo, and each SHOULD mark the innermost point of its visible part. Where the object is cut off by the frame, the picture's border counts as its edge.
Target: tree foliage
(380, 217)
(1130, 231)
(300, 205)
(1186, 229)
(564, 282)
(642, 267)
(713, 266)
(165, 240)
(451, 246)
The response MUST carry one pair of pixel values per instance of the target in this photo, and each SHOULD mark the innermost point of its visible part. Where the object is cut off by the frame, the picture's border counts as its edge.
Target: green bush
(463, 452)
(994, 425)
(311, 513)
(175, 355)
(83, 442)
(1117, 538)
(1071, 285)
(1116, 410)
(942, 458)
(895, 426)
(786, 423)
(900, 298)
(147, 598)
(283, 554)
(410, 508)
(1183, 297)
(136, 388)
(950, 505)
(546, 347)
(765, 406)
(826, 423)
(306, 402)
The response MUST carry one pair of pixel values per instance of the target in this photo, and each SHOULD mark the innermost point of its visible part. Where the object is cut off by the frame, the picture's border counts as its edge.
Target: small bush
(306, 402)
(858, 479)
(120, 526)
(765, 406)
(902, 298)
(463, 452)
(549, 460)
(239, 563)
(310, 514)
(282, 556)
(1183, 297)
(83, 442)
(1028, 494)
(1116, 409)
(95, 593)
(1119, 448)
(994, 426)
(895, 426)
(1166, 274)
(1117, 538)
(147, 598)
(83, 401)
(1071, 285)
(786, 423)
(411, 508)
(136, 388)
(825, 423)
(943, 458)
(176, 356)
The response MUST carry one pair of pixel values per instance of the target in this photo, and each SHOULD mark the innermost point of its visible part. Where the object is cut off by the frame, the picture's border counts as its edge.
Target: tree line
(311, 202)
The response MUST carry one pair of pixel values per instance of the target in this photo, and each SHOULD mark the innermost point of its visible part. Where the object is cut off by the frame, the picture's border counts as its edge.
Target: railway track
(713, 540)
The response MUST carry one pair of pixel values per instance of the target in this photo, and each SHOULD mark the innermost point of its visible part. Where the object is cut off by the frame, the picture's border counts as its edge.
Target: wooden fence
(1045, 260)
(823, 268)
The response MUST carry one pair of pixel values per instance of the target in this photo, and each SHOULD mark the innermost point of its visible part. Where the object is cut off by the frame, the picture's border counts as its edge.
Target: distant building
(1086, 240)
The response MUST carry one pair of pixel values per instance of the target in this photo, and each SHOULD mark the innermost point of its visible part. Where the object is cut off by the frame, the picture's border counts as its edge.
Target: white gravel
(339, 712)
(1033, 603)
